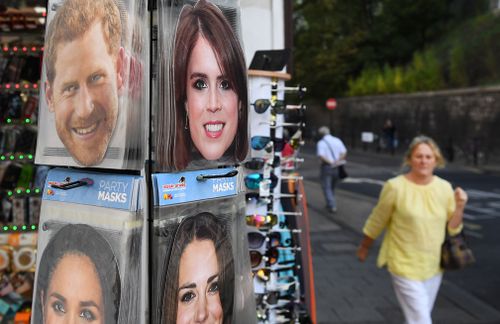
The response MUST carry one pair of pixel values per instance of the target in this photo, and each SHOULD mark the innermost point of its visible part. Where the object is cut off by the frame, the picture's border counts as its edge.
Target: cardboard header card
(94, 96)
(92, 188)
(176, 188)
(202, 116)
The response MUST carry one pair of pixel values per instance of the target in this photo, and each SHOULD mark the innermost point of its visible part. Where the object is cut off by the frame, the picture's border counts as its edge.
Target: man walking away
(332, 153)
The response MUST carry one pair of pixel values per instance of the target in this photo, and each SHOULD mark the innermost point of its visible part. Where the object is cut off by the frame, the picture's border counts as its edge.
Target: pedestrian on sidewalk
(416, 209)
(389, 136)
(332, 153)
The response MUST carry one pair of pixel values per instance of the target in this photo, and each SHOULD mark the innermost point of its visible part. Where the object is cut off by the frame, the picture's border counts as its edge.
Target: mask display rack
(21, 182)
(276, 213)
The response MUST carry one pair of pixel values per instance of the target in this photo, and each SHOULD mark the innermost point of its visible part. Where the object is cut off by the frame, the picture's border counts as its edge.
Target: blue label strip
(103, 190)
(176, 188)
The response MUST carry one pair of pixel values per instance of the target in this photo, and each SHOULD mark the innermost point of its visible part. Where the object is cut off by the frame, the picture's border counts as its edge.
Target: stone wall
(465, 122)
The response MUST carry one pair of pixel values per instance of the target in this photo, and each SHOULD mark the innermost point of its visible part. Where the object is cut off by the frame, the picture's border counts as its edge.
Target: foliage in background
(467, 57)
(357, 46)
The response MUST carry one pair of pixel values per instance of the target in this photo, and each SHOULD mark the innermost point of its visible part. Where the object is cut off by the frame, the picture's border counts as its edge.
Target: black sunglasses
(257, 239)
(271, 256)
(255, 164)
(261, 105)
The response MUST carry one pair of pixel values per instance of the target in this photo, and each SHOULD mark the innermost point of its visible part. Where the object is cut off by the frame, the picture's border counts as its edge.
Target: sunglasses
(258, 163)
(277, 106)
(253, 180)
(257, 240)
(255, 196)
(255, 164)
(271, 256)
(264, 274)
(258, 221)
(264, 142)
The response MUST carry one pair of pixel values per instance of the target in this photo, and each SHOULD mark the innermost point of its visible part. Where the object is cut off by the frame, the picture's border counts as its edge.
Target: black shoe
(331, 209)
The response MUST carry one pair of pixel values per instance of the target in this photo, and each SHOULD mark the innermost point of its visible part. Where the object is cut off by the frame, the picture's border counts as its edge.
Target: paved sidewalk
(348, 291)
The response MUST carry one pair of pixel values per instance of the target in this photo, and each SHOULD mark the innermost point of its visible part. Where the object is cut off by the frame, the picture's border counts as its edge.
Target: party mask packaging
(91, 233)
(94, 98)
(191, 130)
(198, 247)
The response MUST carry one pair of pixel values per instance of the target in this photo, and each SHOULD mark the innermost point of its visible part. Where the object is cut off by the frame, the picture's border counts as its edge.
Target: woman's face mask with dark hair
(198, 299)
(74, 294)
(212, 103)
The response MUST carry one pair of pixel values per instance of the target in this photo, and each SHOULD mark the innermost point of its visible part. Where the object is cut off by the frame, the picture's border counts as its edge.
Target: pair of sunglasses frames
(256, 239)
(271, 256)
(255, 196)
(259, 221)
(264, 274)
(273, 239)
(264, 142)
(255, 164)
(277, 106)
(253, 180)
(259, 163)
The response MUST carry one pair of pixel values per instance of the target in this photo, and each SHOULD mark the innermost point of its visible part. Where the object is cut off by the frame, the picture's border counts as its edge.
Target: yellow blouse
(414, 217)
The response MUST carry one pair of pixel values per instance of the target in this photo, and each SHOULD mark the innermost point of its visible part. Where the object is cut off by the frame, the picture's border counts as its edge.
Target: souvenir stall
(163, 185)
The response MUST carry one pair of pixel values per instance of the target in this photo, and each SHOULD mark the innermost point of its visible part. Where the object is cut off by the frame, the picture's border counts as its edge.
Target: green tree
(335, 40)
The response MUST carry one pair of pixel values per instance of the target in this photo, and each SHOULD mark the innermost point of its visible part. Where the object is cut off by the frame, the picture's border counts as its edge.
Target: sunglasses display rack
(275, 236)
(21, 51)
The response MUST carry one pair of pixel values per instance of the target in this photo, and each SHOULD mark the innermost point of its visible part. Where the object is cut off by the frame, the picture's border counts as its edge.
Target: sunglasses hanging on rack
(265, 142)
(256, 240)
(264, 274)
(259, 221)
(277, 106)
(253, 180)
(273, 239)
(271, 256)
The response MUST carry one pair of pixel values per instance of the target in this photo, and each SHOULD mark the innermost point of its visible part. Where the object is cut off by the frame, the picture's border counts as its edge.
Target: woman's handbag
(455, 253)
(342, 172)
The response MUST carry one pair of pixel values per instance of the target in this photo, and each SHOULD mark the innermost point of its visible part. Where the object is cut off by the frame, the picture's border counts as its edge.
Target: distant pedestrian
(415, 209)
(389, 136)
(332, 153)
